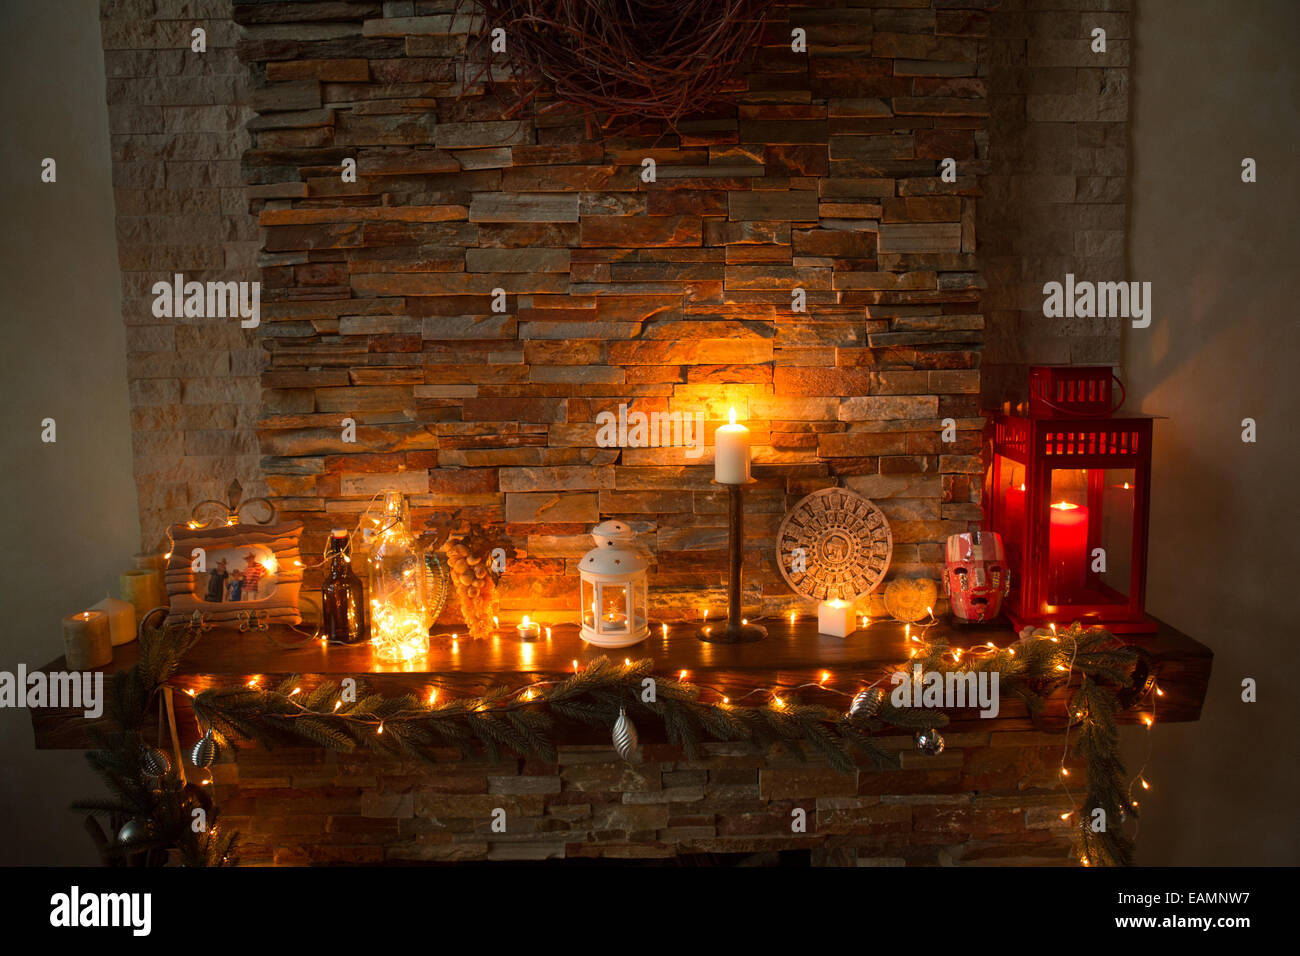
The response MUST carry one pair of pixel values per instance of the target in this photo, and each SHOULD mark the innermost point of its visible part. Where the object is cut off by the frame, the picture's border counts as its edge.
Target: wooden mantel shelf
(792, 655)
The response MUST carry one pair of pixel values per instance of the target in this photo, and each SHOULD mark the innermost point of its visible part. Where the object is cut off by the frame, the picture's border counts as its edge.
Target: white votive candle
(731, 453)
(835, 618)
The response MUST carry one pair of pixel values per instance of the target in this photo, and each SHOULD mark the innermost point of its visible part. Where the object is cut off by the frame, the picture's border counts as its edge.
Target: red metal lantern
(1068, 488)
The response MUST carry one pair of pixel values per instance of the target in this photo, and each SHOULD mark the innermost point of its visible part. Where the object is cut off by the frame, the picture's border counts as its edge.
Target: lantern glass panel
(1090, 508)
(1118, 496)
(1010, 493)
(588, 603)
(639, 601)
(613, 607)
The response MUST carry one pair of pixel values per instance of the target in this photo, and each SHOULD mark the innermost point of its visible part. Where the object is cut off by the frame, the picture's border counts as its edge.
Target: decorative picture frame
(233, 556)
(234, 573)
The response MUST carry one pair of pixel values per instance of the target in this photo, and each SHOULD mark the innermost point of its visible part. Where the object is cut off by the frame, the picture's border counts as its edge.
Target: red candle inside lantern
(1015, 510)
(1067, 551)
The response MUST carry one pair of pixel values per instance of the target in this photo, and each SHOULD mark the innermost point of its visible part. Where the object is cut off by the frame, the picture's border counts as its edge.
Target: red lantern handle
(1123, 394)
(1073, 413)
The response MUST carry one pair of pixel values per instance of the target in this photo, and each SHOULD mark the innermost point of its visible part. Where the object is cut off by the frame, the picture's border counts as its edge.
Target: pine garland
(523, 721)
(163, 807)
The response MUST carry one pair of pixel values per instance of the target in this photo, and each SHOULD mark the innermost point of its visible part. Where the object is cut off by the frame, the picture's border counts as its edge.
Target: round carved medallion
(834, 545)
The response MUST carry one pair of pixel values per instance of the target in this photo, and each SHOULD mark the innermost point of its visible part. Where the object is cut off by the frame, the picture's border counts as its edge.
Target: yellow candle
(143, 590)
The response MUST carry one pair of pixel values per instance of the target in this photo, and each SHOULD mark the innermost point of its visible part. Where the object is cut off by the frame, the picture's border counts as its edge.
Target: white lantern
(613, 588)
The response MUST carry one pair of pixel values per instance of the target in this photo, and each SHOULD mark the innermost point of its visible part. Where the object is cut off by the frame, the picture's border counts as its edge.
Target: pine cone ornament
(205, 751)
(625, 738)
(155, 763)
(867, 703)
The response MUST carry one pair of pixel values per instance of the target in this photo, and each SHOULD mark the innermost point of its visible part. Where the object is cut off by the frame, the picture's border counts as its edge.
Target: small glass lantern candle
(399, 625)
(1067, 488)
(613, 588)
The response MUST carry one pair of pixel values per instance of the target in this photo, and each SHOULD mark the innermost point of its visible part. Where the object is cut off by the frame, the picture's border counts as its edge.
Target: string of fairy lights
(522, 696)
(777, 696)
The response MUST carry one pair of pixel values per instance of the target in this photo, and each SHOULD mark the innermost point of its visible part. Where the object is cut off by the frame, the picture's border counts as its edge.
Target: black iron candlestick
(733, 630)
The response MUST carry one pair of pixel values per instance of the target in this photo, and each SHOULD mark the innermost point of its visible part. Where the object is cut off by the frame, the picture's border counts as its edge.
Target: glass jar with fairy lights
(399, 622)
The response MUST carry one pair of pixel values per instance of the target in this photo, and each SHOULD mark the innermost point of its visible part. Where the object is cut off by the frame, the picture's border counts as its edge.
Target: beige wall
(69, 507)
(1215, 82)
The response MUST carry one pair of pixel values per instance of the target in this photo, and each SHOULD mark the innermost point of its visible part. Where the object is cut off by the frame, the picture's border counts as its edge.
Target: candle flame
(1064, 506)
(525, 622)
(733, 415)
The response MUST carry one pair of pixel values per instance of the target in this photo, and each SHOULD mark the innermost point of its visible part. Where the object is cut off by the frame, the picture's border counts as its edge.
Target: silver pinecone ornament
(928, 742)
(866, 703)
(625, 739)
(205, 751)
(155, 763)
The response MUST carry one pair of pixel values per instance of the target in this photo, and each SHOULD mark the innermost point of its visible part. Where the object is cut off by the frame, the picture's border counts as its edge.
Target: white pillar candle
(86, 643)
(836, 618)
(731, 453)
(121, 619)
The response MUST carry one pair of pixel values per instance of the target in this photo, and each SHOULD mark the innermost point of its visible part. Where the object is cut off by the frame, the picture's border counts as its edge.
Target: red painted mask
(976, 576)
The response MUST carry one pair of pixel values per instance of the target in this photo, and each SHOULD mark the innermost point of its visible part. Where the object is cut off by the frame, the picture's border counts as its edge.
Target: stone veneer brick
(989, 799)
(1056, 197)
(821, 173)
(670, 296)
(177, 121)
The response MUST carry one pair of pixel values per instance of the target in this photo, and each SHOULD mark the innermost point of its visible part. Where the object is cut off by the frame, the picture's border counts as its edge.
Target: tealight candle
(731, 453)
(86, 640)
(529, 630)
(835, 618)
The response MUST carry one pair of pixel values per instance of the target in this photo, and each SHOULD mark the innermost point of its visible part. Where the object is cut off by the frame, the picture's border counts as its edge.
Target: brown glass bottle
(343, 600)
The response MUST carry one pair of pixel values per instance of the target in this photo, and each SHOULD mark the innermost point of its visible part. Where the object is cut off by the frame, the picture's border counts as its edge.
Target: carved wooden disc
(846, 546)
(911, 599)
